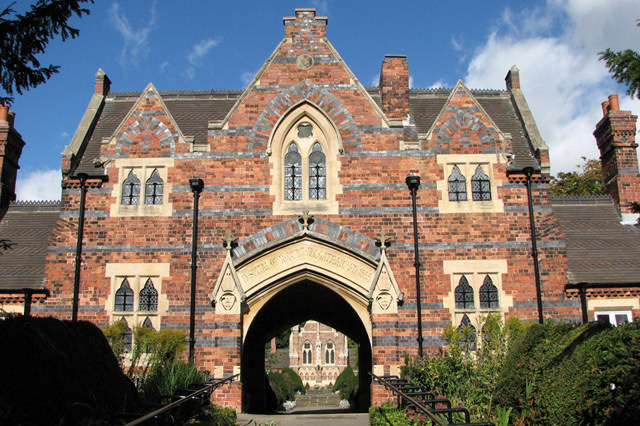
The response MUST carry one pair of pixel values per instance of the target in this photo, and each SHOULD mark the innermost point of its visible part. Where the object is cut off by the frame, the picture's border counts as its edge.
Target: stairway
(315, 398)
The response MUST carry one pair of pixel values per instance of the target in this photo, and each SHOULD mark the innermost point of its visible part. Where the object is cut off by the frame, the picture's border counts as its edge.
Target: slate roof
(193, 110)
(27, 225)
(599, 249)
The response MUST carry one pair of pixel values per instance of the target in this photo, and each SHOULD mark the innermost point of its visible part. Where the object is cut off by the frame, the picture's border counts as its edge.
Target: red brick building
(305, 213)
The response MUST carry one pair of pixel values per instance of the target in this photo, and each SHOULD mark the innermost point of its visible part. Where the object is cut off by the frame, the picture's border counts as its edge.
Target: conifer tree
(624, 66)
(24, 36)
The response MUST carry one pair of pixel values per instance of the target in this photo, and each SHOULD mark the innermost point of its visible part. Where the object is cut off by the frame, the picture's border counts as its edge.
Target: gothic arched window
(488, 294)
(330, 354)
(127, 337)
(148, 297)
(307, 354)
(317, 174)
(480, 185)
(124, 297)
(457, 185)
(464, 294)
(131, 190)
(293, 173)
(153, 189)
(468, 332)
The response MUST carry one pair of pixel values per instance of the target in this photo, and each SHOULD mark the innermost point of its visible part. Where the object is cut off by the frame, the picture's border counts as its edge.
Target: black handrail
(182, 400)
(419, 406)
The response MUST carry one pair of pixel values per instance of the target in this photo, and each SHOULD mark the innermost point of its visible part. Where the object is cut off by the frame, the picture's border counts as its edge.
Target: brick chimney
(394, 86)
(615, 135)
(103, 84)
(11, 144)
(305, 26)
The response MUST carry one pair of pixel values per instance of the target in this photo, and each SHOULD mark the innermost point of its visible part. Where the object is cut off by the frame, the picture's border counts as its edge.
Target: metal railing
(426, 403)
(198, 394)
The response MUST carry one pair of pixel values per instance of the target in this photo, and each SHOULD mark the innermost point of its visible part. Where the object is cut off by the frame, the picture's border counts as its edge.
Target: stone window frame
(613, 315)
(137, 275)
(307, 353)
(330, 353)
(327, 136)
(475, 271)
(612, 306)
(468, 164)
(144, 168)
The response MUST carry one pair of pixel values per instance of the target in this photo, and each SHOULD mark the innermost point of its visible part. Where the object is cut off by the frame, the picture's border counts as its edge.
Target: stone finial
(306, 219)
(383, 241)
(229, 240)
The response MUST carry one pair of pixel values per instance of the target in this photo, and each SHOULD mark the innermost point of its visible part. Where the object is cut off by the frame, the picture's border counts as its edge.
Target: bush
(214, 415)
(347, 383)
(166, 379)
(293, 380)
(574, 375)
(464, 376)
(387, 415)
(279, 385)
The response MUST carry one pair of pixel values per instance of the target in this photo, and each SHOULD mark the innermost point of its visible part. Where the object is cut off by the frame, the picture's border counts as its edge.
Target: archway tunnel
(299, 302)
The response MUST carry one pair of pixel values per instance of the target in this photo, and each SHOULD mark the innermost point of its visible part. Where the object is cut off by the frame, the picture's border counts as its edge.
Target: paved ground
(317, 407)
(306, 417)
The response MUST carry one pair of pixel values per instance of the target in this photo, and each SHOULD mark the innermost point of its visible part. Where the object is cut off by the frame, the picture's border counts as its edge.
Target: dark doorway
(299, 302)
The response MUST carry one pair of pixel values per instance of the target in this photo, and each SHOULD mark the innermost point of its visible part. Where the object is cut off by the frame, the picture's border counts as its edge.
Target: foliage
(114, 333)
(213, 415)
(467, 377)
(625, 67)
(293, 380)
(347, 383)
(558, 374)
(279, 385)
(387, 415)
(588, 181)
(26, 35)
(282, 340)
(167, 379)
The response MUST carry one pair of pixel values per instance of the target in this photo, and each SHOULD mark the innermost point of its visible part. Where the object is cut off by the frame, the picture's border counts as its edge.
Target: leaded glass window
(127, 338)
(293, 174)
(124, 297)
(457, 185)
(306, 354)
(330, 354)
(131, 190)
(147, 323)
(464, 294)
(317, 174)
(468, 333)
(305, 130)
(480, 185)
(488, 294)
(148, 297)
(153, 188)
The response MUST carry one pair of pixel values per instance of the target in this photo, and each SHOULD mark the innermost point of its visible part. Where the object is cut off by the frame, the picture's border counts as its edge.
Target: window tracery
(293, 173)
(480, 185)
(148, 297)
(124, 297)
(131, 190)
(457, 185)
(488, 294)
(464, 294)
(154, 188)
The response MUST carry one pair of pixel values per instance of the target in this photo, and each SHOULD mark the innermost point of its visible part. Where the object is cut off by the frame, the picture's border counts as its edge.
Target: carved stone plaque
(227, 300)
(304, 61)
(384, 300)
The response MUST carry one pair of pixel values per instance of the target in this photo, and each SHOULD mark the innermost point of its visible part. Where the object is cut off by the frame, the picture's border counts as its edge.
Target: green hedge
(347, 384)
(559, 374)
(285, 384)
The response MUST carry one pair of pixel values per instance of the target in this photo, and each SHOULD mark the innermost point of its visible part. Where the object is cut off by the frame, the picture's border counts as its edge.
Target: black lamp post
(413, 182)
(82, 177)
(528, 172)
(196, 185)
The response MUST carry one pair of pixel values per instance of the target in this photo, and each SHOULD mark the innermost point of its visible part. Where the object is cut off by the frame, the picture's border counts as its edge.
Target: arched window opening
(293, 173)
(317, 174)
(124, 297)
(148, 297)
(306, 354)
(457, 185)
(154, 188)
(131, 190)
(468, 333)
(127, 337)
(464, 294)
(330, 354)
(480, 185)
(488, 294)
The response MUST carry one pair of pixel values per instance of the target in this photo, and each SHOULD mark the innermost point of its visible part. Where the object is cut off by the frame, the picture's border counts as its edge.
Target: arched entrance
(303, 299)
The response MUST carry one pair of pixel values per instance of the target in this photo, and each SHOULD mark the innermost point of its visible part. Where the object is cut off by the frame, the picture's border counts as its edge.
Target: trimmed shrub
(582, 375)
(347, 383)
(293, 380)
(279, 385)
(214, 415)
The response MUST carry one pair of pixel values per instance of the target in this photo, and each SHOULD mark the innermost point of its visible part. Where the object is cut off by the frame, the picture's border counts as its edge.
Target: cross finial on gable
(383, 240)
(228, 241)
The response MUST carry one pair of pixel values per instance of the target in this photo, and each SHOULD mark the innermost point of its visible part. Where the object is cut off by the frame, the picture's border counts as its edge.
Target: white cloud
(560, 74)
(321, 6)
(201, 49)
(39, 185)
(136, 44)
(438, 84)
(247, 77)
(457, 43)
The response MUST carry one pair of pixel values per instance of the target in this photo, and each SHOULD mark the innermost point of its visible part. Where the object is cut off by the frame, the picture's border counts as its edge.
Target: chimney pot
(11, 118)
(4, 113)
(614, 104)
(605, 108)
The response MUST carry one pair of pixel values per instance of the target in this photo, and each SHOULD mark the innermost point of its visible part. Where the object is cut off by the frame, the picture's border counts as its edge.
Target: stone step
(318, 398)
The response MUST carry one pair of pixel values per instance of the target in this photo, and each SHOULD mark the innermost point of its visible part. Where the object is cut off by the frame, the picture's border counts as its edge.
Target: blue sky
(198, 44)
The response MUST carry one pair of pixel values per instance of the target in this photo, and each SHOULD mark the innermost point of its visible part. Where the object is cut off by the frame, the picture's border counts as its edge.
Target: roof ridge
(35, 203)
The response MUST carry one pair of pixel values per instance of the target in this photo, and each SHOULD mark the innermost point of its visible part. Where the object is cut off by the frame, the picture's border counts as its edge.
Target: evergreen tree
(24, 36)
(625, 67)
